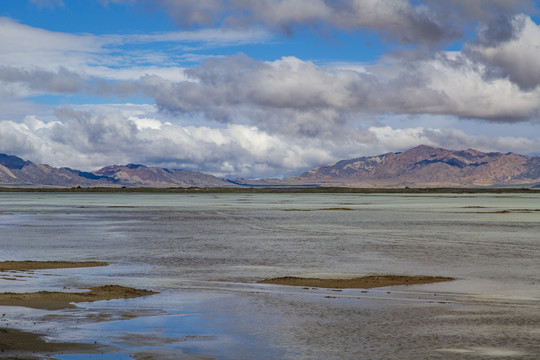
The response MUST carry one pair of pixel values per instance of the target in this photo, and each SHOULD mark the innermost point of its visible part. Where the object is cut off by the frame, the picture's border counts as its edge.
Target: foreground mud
(17, 344)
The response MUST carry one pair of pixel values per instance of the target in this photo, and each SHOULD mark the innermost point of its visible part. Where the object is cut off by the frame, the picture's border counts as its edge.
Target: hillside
(15, 171)
(422, 166)
(428, 166)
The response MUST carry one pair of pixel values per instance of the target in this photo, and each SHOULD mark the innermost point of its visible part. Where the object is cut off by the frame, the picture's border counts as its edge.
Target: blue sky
(264, 88)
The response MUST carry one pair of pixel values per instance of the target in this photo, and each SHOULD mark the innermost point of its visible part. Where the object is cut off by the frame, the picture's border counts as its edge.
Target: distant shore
(272, 190)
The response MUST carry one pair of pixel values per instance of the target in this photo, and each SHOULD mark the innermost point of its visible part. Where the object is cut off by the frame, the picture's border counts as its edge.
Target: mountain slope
(422, 166)
(140, 175)
(15, 171)
(428, 166)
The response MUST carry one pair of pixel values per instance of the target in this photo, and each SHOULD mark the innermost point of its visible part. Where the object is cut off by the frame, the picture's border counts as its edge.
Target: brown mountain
(426, 166)
(140, 175)
(15, 171)
(422, 166)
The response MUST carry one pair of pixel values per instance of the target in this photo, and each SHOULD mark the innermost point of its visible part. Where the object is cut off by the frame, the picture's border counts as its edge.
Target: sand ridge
(40, 265)
(19, 343)
(54, 300)
(22, 341)
(366, 282)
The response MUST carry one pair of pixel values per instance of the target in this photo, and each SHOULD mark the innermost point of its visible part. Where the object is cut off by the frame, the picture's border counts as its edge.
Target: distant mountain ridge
(429, 166)
(140, 175)
(422, 166)
(15, 171)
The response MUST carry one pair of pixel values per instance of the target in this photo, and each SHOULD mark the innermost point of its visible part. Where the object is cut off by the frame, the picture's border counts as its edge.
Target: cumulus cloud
(294, 96)
(495, 78)
(454, 139)
(515, 55)
(94, 138)
(287, 95)
(89, 137)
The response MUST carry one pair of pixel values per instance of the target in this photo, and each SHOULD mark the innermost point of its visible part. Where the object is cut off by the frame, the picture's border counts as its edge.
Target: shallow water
(205, 252)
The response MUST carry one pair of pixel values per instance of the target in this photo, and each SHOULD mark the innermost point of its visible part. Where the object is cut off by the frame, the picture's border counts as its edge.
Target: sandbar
(27, 345)
(54, 300)
(366, 282)
(39, 265)
(22, 341)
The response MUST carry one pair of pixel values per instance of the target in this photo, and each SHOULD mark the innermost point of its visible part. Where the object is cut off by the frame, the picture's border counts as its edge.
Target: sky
(264, 88)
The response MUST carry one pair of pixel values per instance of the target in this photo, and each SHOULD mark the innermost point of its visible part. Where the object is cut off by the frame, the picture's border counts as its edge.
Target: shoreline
(272, 190)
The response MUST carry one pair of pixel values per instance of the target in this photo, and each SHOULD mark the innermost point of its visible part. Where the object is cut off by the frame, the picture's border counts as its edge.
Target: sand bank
(22, 341)
(38, 265)
(366, 282)
(53, 300)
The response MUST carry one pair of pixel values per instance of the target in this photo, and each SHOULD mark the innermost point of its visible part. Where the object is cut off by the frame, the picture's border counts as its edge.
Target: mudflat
(19, 342)
(12, 340)
(40, 265)
(365, 282)
(54, 300)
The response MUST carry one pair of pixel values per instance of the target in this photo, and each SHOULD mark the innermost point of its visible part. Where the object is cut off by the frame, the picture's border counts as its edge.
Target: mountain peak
(16, 171)
(12, 162)
(423, 149)
(430, 166)
(421, 166)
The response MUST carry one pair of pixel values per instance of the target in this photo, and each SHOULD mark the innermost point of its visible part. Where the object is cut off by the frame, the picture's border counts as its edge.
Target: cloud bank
(89, 137)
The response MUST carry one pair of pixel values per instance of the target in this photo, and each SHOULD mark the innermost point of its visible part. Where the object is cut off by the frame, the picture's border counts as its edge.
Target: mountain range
(15, 171)
(426, 166)
(422, 166)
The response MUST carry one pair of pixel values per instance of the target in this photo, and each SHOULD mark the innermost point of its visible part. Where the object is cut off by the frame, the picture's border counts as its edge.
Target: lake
(205, 253)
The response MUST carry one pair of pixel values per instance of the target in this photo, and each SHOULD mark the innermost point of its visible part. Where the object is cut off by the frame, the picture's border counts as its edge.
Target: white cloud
(454, 139)
(89, 137)
(516, 58)
(288, 94)
(294, 96)
(468, 93)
